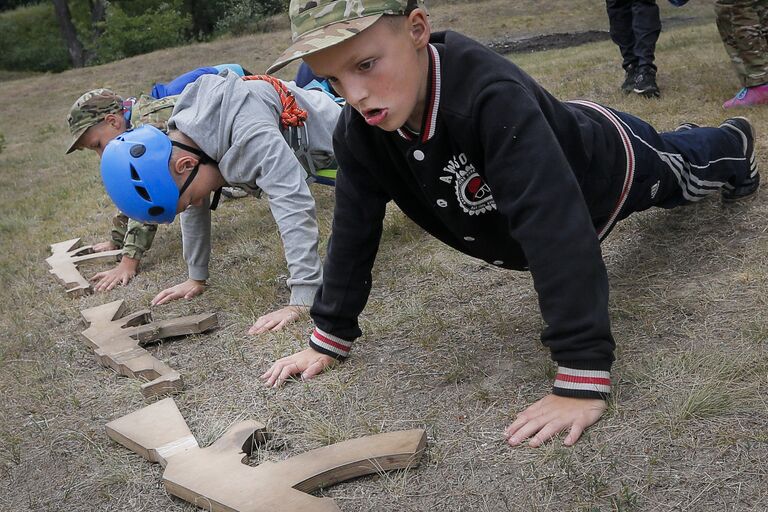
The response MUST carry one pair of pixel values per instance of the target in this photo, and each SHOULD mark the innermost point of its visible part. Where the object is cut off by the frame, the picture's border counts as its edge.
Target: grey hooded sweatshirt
(237, 123)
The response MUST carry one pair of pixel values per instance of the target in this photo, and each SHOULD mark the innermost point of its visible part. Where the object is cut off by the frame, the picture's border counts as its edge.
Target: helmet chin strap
(204, 159)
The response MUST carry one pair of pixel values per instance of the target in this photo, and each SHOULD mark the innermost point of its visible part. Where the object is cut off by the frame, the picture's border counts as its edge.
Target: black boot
(645, 83)
(629, 79)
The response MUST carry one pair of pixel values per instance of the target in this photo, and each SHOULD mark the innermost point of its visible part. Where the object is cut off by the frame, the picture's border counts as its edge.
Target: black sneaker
(645, 83)
(747, 188)
(629, 79)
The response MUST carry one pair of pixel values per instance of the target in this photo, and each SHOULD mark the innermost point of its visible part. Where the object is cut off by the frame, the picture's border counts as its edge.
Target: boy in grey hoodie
(237, 124)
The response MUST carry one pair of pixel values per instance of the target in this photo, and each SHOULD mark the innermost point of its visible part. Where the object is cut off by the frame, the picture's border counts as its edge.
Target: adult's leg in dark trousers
(676, 168)
(621, 28)
(646, 26)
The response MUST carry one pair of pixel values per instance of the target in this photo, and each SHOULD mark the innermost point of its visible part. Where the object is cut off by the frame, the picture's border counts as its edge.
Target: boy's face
(97, 136)
(382, 71)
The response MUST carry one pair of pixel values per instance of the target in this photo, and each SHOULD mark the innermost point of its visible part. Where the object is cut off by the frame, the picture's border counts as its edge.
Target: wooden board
(65, 258)
(116, 339)
(216, 478)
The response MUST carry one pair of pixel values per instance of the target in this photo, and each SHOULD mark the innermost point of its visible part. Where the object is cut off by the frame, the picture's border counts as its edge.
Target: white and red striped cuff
(573, 382)
(330, 342)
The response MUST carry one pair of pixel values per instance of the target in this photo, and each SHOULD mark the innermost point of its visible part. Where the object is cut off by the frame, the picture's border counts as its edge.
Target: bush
(30, 40)
(244, 16)
(124, 35)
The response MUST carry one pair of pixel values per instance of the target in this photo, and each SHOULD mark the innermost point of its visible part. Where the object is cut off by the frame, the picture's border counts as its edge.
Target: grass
(450, 344)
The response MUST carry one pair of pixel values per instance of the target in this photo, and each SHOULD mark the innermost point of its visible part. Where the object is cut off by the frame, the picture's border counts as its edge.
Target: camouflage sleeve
(138, 238)
(119, 227)
(148, 110)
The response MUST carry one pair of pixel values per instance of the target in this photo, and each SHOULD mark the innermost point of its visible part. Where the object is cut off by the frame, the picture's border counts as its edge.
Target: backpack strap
(292, 120)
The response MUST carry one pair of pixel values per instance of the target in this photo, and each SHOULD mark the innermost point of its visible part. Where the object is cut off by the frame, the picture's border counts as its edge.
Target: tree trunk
(69, 33)
(98, 15)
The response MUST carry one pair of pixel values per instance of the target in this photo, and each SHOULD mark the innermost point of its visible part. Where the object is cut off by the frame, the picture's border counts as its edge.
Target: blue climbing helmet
(135, 171)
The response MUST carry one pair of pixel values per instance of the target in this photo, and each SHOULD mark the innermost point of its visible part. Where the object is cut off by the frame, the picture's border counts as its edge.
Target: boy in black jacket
(497, 168)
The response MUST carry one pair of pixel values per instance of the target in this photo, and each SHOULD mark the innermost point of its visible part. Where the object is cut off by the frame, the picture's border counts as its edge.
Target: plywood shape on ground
(216, 478)
(66, 256)
(116, 340)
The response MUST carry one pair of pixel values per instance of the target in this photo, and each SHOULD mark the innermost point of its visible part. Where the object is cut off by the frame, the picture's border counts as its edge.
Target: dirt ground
(687, 426)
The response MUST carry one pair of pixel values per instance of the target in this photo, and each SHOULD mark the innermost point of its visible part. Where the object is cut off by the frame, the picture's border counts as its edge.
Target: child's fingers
(97, 277)
(547, 432)
(262, 325)
(279, 325)
(156, 300)
(274, 372)
(166, 298)
(313, 370)
(521, 420)
(525, 431)
(576, 430)
(286, 373)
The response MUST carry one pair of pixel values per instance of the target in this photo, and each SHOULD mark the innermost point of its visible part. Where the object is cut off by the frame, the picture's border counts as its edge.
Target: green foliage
(7, 5)
(244, 16)
(125, 35)
(30, 39)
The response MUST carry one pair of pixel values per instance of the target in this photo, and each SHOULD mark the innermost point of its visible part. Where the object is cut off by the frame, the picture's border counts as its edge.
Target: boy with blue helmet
(97, 117)
(228, 131)
(94, 119)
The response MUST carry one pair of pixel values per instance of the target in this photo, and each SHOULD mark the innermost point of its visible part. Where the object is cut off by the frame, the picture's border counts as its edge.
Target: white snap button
(418, 155)
(469, 238)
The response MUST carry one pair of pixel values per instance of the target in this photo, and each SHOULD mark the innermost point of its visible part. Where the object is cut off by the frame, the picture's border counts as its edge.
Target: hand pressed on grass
(551, 415)
(308, 363)
(276, 320)
(186, 290)
(121, 274)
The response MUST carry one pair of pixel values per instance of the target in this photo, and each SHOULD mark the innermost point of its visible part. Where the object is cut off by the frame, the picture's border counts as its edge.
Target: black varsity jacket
(501, 171)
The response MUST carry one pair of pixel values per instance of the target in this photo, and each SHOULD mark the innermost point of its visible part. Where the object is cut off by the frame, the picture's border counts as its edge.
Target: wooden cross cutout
(216, 479)
(116, 340)
(64, 258)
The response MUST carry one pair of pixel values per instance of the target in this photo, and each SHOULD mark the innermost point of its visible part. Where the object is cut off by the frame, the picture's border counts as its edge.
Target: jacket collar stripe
(430, 117)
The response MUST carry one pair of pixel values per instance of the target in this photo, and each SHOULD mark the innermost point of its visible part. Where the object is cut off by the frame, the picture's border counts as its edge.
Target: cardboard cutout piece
(216, 479)
(116, 340)
(66, 256)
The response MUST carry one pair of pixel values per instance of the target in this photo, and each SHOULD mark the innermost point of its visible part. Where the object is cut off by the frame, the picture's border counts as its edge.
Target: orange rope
(292, 114)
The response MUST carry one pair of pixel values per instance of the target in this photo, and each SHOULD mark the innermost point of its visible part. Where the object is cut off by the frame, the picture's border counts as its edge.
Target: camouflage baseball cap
(319, 24)
(90, 109)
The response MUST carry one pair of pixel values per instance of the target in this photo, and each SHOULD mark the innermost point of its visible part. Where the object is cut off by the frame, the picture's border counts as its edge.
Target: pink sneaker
(749, 96)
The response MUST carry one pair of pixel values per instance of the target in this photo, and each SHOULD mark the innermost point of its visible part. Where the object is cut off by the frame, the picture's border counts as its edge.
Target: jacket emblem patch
(473, 193)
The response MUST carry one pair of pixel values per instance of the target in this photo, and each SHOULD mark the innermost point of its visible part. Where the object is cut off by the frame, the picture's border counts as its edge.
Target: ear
(183, 164)
(115, 121)
(419, 28)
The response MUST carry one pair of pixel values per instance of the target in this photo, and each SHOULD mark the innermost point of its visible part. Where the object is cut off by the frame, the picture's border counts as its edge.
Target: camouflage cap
(90, 109)
(319, 24)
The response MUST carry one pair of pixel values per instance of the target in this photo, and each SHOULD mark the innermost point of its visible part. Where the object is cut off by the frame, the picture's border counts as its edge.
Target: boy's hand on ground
(308, 363)
(551, 415)
(104, 246)
(276, 320)
(186, 290)
(121, 274)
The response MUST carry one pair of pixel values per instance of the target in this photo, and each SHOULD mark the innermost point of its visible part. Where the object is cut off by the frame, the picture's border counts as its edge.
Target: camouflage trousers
(743, 26)
(133, 237)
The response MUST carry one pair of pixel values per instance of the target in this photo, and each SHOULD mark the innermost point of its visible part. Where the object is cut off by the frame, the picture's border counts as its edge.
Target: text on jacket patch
(473, 193)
